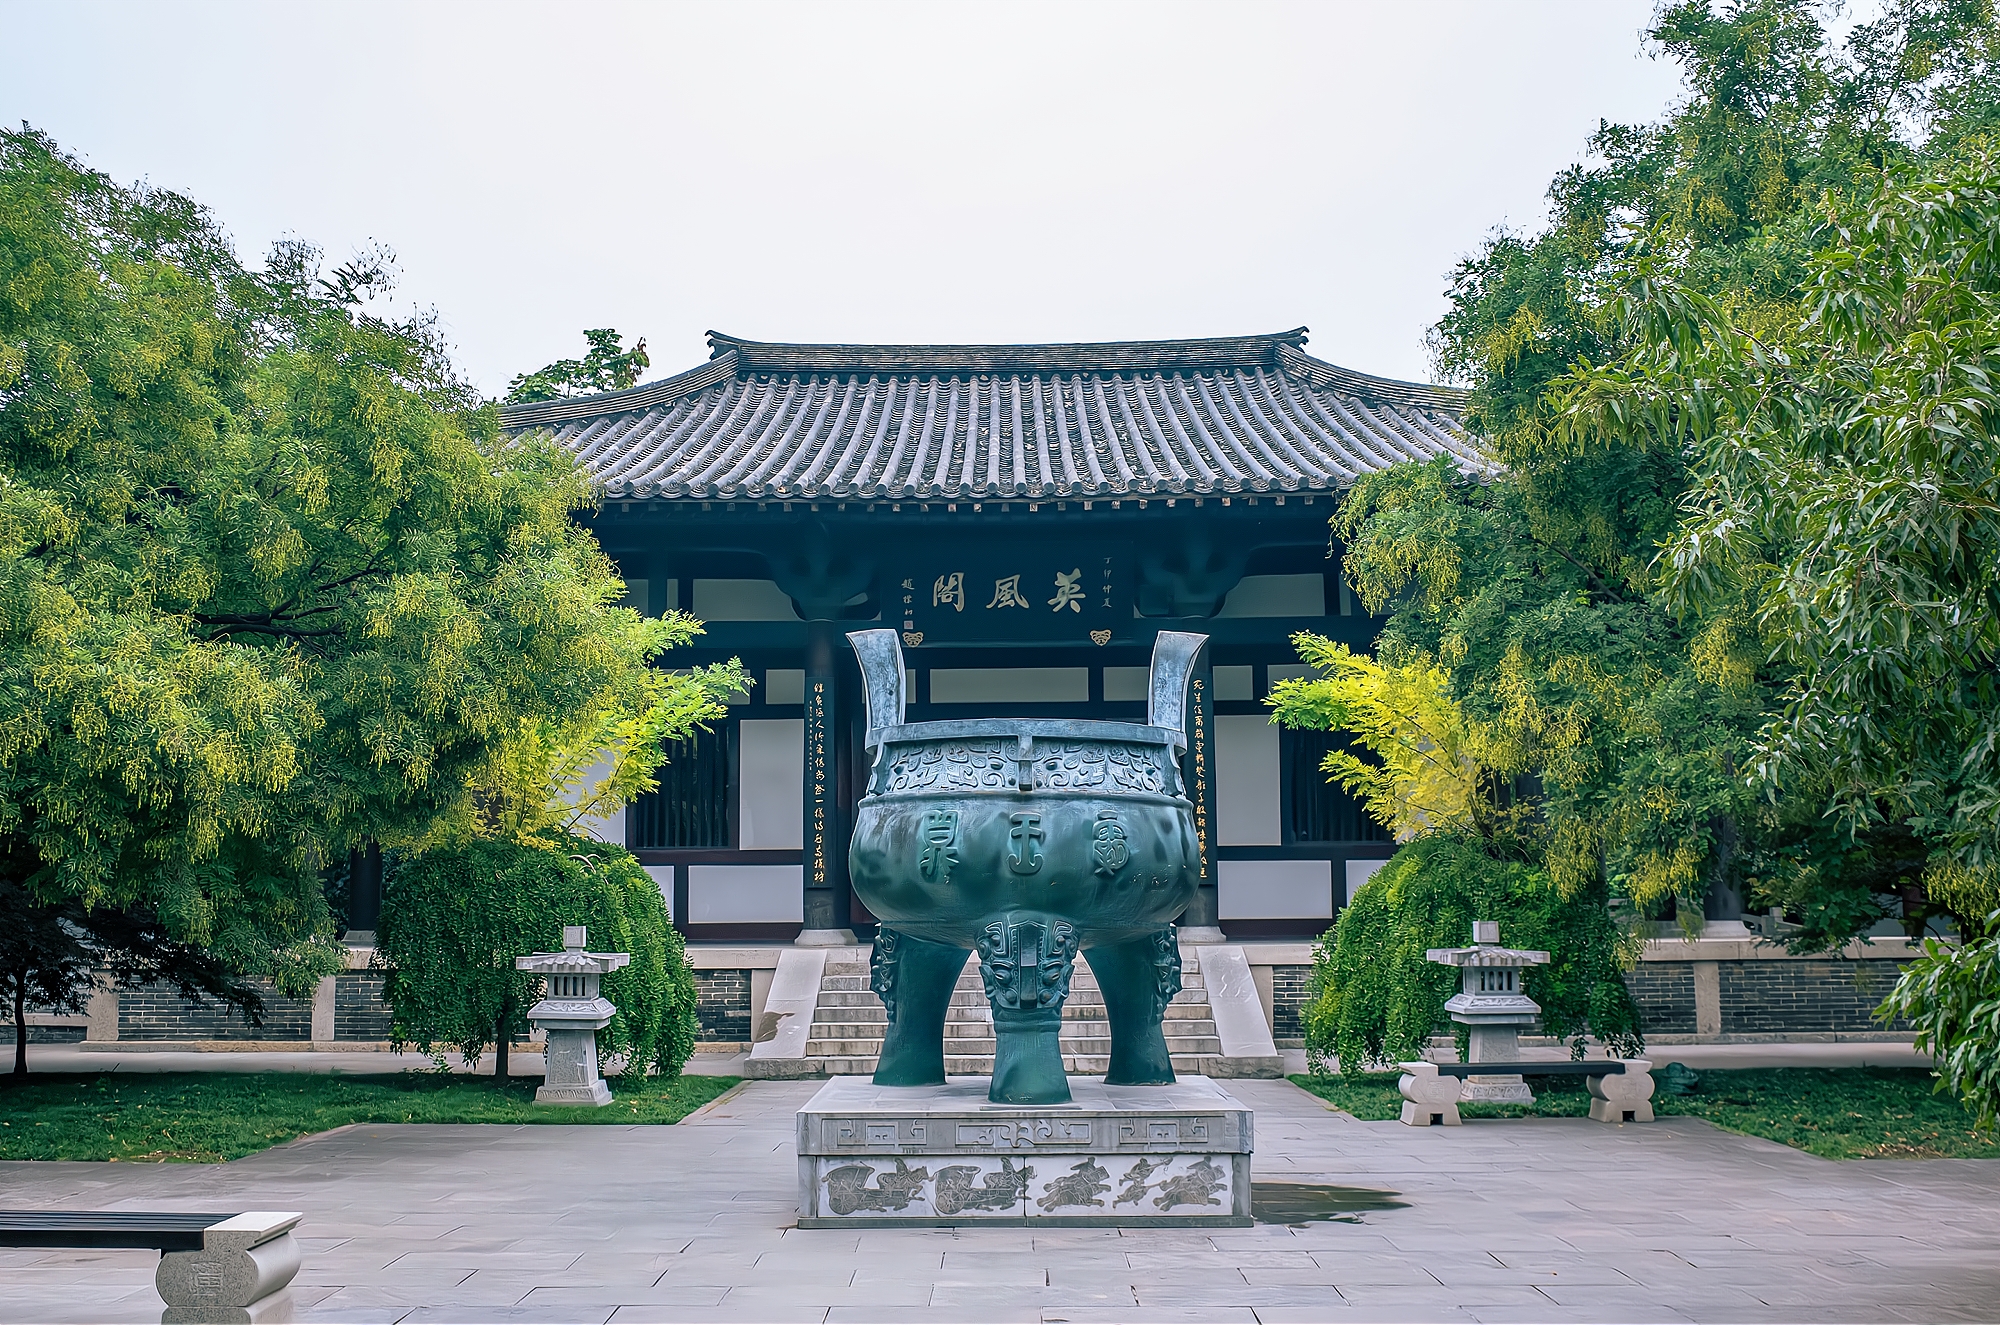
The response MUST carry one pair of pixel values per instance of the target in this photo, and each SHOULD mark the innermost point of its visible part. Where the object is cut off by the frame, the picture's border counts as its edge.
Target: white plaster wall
(1246, 782)
(771, 790)
(1125, 684)
(1274, 889)
(746, 894)
(1359, 872)
(606, 828)
(1010, 685)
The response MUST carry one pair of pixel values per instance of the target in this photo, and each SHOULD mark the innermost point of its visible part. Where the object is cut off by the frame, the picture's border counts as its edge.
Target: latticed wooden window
(1318, 810)
(692, 807)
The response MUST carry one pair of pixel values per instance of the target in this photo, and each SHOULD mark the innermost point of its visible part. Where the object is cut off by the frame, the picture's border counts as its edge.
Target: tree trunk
(500, 1044)
(20, 1025)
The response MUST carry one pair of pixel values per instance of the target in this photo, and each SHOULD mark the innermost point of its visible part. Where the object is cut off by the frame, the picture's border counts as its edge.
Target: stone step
(825, 1041)
(1078, 1064)
(1081, 977)
(979, 1021)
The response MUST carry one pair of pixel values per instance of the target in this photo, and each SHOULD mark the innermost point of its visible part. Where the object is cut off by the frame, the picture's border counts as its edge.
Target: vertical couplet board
(818, 783)
(1201, 782)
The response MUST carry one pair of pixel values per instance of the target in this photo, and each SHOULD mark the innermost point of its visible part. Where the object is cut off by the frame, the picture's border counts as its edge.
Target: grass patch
(1833, 1112)
(205, 1117)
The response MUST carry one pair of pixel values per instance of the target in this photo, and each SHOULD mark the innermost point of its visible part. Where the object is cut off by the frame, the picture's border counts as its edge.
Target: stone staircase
(849, 1023)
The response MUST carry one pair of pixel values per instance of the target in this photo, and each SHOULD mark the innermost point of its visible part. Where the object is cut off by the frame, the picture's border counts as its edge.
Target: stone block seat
(1621, 1089)
(213, 1267)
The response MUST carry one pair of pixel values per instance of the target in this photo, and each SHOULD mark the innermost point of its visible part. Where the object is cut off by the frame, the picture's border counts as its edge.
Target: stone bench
(1621, 1089)
(213, 1267)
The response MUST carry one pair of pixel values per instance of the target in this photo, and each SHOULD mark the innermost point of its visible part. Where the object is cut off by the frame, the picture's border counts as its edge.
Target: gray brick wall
(1761, 998)
(1664, 992)
(723, 1005)
(358, 1010)
(1288, 998)
(157, 1012)
(40, 1034)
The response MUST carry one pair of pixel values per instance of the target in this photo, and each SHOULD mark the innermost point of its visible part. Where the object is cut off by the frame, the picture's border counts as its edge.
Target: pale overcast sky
(857, 172)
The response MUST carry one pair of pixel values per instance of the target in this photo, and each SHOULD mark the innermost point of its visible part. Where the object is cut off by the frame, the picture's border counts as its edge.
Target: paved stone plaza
(1505, 1220)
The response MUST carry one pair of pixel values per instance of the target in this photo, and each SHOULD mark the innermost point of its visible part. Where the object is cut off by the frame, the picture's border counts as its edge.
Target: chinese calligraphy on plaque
(1081, 597)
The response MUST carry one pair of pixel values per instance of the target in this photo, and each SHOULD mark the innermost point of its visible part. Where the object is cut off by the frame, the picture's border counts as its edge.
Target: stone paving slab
(1533, 1219)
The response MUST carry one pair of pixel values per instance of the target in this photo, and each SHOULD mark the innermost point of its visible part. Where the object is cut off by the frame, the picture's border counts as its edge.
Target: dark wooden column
(364, 889)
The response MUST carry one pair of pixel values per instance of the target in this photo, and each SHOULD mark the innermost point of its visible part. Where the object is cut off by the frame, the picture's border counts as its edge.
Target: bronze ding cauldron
(1028, 840)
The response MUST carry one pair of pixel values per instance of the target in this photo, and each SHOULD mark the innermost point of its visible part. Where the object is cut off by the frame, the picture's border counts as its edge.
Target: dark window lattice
(1322, 811)
(691, 808)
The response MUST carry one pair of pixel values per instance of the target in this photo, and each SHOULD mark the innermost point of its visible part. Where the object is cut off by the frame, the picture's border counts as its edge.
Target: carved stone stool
(1429, 1097)
(1624, 1097)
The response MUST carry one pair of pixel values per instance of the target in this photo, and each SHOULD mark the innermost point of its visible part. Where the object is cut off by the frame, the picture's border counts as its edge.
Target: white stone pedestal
(924, 1156)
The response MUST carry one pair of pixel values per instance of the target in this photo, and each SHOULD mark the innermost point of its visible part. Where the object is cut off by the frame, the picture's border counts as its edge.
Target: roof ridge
(736, 357)
(1055, 356)
(1429, 395)
(534, 413)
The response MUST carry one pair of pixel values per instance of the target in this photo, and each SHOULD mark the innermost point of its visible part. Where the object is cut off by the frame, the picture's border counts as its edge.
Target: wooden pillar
(826, 919)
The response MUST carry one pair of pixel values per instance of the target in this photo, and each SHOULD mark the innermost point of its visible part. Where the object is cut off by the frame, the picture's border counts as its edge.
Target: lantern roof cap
(573, 960)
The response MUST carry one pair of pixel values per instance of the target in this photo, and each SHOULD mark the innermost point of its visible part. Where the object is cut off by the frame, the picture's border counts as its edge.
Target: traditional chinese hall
(1028, 517)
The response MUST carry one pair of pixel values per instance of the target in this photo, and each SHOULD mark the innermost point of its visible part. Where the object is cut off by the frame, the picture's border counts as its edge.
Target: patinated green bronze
(1028, 840)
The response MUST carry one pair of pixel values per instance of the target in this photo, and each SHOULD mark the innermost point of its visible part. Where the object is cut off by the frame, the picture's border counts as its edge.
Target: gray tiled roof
(895, 422)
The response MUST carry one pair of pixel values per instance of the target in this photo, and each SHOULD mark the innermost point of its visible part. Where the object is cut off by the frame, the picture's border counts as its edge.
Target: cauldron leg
(914, 980)
(1025, 960)
(1138, 979)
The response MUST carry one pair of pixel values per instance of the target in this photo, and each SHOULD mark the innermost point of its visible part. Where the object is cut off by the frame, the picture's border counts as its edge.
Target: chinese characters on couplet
(817, 770)
(1198, 752)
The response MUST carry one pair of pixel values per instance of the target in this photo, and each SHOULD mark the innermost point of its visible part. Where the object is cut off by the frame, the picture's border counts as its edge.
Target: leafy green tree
(1951, 994)
(272, 581)
(1850, 491)
(1421, 776)
(52, 953)
(607, 366)
(454, 920)
(1536, 592)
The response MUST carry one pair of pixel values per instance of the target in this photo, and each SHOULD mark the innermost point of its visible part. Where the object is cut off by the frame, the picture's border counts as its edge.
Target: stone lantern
(1492, 1004)
(571, 1013)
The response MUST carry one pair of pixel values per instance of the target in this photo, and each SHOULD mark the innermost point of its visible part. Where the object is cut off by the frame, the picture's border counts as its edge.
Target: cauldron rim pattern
(1055, 729)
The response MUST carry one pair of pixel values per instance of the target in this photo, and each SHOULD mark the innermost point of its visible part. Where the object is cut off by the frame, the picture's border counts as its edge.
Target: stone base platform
(928, 1156)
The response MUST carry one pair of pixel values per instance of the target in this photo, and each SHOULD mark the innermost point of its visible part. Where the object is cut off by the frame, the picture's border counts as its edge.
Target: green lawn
(203, 1117)
(1838, 1113)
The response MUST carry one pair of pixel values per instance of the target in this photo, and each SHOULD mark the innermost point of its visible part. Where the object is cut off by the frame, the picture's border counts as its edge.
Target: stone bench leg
(1429, 1099)
(229, 1283)
(1623, 1098)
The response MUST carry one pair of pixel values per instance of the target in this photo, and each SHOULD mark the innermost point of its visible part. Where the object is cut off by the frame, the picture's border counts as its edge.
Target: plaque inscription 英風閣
(1073, 595)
